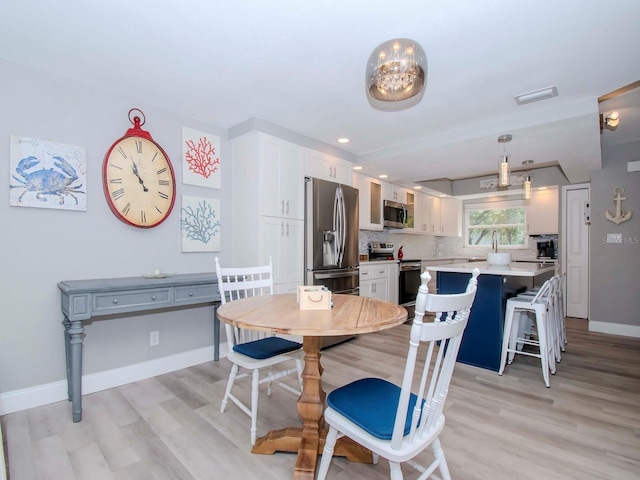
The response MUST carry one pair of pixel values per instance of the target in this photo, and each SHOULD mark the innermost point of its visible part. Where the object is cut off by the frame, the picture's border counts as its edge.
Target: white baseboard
(26, 398)
(615, 328)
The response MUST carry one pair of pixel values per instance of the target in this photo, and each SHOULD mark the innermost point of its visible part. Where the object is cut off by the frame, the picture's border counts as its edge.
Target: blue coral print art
(200, 224)
(45, 174)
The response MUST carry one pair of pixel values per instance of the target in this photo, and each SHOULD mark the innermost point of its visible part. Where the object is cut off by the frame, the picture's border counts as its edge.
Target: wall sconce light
(503, 166)
(610, 121)
(526, 186)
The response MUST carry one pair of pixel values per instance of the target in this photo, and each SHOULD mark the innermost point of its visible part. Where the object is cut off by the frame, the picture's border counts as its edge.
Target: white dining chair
(252, 350)
(399, 422)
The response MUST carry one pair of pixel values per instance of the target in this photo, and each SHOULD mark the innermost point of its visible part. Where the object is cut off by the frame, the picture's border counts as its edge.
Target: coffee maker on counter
(546, 249)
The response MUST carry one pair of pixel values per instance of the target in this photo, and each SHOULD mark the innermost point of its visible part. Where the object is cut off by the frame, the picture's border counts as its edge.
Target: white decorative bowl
(494, 258)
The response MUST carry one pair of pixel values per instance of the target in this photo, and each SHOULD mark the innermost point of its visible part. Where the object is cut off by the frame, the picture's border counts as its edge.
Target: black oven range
(409, 282)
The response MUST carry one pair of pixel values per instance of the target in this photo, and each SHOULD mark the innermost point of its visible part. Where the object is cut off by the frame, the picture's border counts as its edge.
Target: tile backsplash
(426, 246)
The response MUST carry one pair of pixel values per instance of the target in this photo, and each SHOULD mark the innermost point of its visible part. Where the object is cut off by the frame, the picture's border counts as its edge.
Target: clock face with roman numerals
(138, 181)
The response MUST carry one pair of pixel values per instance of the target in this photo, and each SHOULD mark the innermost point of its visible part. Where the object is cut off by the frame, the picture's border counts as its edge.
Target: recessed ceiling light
(358, 167)
(343, 140)
(417, 187)
(383, 176)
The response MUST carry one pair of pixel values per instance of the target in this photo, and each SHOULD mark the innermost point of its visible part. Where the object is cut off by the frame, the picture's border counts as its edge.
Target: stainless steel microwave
(395, 214)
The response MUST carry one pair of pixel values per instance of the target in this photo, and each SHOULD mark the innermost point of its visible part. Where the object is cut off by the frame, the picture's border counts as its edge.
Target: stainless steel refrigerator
(331, 239)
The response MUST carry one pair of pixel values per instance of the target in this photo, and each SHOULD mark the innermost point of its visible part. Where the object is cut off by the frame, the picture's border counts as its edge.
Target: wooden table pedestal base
(308, 441)
(290, 440)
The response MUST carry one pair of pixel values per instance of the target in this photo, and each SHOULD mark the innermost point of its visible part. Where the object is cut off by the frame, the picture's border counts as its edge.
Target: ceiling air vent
(536, 95)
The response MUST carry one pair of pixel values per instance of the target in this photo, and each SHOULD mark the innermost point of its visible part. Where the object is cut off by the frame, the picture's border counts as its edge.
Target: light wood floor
(587, 425)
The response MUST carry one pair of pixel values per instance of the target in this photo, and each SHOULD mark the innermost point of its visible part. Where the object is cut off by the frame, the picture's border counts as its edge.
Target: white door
(576, 250)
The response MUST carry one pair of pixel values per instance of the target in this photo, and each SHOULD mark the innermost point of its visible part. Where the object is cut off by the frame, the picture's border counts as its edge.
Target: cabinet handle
(330, 171)
(287, 207)
(282, 206)
(191, 294)
(115, 301)
(282, 229)
(287, 229)
(153, 297)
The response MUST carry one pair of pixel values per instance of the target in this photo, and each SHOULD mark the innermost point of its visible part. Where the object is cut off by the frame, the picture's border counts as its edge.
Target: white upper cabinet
(327, 167)
(370, 201)
(450, 217)
(423, 213)
(442, 216)
(434, 215)
(394, 192)
(281, 178)
(542, 212)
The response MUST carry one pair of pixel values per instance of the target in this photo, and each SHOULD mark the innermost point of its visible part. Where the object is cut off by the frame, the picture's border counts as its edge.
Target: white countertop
(515, 269)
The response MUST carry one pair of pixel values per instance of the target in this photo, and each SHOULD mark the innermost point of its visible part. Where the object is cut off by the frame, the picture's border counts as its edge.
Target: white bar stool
(539, 306)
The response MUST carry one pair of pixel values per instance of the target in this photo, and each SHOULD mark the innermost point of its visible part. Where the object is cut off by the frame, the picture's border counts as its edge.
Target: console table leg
(67, 350)
(75, 345)
(216, 334)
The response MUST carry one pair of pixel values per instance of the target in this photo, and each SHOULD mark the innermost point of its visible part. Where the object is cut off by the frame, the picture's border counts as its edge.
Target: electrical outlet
(154, 338)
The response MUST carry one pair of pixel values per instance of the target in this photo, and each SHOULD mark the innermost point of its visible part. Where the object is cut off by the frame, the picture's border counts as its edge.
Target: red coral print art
(200, 158)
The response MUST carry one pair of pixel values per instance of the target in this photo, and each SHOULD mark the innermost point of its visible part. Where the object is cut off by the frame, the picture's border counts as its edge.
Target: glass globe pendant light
(396, 70)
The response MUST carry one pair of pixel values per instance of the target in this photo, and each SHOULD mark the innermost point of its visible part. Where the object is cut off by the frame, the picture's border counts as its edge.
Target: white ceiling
(300, 65)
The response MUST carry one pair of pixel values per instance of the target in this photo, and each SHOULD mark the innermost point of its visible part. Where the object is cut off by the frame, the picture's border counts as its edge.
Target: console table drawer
(132, 300)
(196, 293)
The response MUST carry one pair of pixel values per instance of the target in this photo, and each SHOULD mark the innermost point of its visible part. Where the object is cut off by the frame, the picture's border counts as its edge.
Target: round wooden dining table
(280, 313)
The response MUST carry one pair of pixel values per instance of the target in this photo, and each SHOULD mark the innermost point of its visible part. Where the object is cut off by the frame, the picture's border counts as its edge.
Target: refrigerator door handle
(343, 227)
(339, 214)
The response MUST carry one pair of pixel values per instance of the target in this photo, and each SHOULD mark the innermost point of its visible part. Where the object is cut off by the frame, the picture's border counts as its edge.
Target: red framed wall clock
(138, 178)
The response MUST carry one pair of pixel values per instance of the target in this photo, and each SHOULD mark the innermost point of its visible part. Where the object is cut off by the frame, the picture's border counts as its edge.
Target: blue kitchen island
(482, 339)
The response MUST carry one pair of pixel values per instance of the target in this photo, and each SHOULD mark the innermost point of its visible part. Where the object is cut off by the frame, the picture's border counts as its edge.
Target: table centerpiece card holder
(314, 297)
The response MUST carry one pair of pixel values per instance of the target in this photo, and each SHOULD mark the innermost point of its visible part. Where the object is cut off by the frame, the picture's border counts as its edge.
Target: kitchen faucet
(494, 241)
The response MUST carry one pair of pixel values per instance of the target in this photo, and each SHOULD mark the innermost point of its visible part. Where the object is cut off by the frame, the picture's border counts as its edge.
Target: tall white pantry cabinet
(268, 207)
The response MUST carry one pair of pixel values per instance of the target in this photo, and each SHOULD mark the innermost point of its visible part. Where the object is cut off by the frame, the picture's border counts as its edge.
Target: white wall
(41, 247)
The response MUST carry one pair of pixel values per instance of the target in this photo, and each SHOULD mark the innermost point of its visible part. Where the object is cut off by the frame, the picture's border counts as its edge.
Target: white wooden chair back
(243, 282)
(440, 341)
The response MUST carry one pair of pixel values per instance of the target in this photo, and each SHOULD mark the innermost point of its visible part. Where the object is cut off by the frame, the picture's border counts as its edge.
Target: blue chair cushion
(266, 347)
(371, 403)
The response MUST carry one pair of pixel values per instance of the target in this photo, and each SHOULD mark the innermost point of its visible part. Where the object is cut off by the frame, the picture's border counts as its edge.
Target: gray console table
(82, 300)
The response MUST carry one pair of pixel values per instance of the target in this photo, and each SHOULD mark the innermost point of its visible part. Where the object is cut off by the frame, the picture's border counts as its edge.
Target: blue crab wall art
(47, 175)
